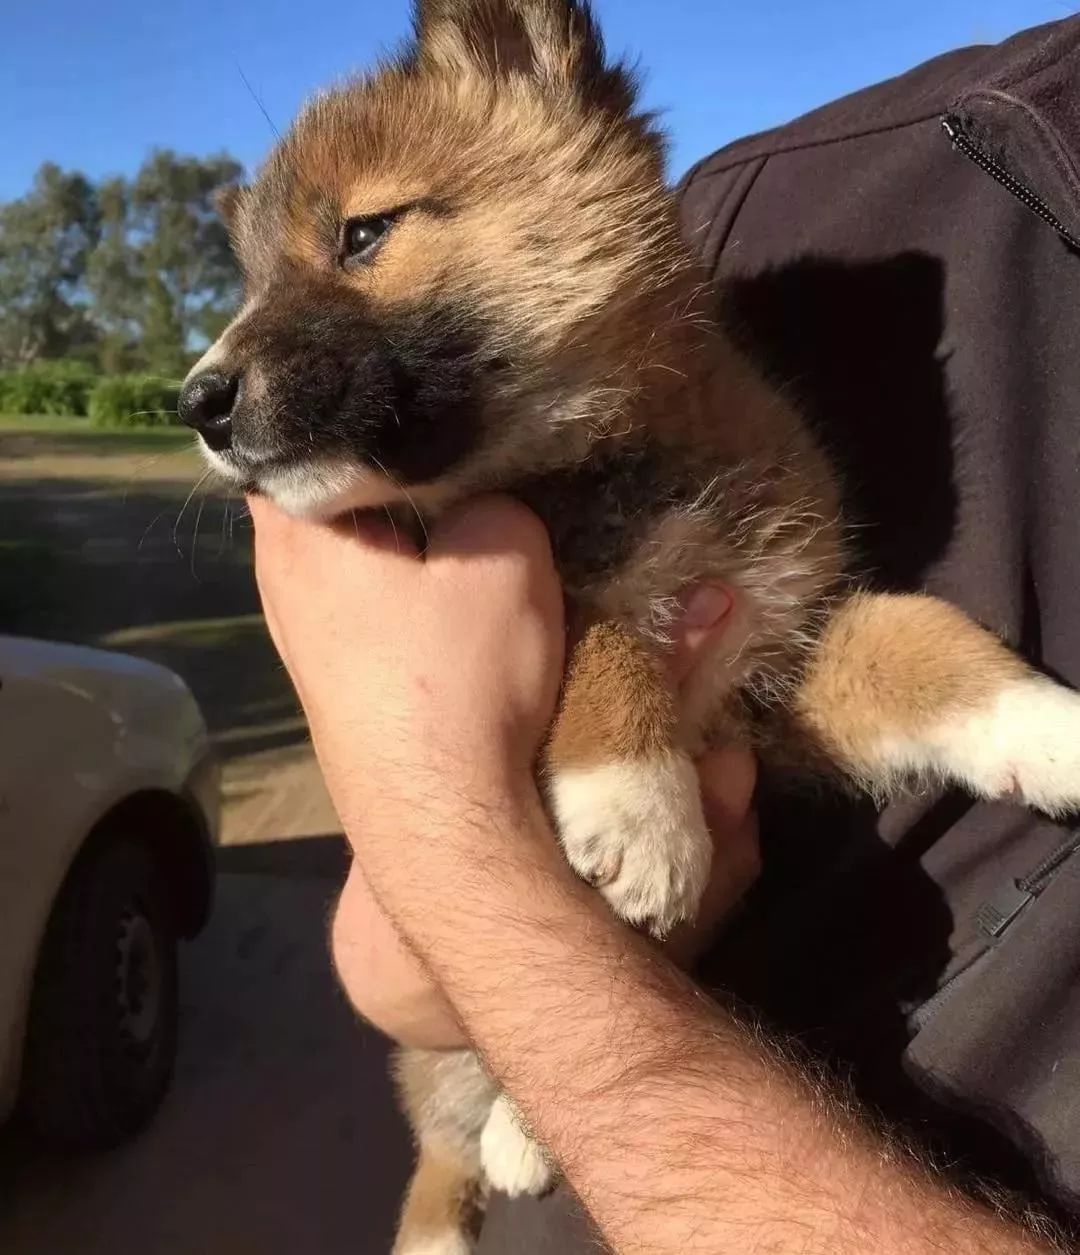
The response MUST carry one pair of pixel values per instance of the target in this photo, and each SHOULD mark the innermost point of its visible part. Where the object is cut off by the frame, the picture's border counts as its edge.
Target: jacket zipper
(999, 911)
(962, 143)
(1036, 881)
(992, 919)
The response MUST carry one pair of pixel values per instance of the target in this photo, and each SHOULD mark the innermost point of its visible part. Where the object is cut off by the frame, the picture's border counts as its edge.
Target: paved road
(280, 1136)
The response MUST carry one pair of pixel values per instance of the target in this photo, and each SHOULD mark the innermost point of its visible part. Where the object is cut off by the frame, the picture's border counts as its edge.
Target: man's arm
(681, 1130)
(389, 986)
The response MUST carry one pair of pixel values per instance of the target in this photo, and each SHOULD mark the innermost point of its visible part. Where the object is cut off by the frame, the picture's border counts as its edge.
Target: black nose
(206, 404)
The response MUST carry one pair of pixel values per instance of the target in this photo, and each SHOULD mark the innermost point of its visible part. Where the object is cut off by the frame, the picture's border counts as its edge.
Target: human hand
(446, 713)
(728, 776)
(428, 684)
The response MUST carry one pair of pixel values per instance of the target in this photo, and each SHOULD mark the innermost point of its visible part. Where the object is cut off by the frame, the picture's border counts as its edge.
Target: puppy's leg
(908, 685)
(440, 1198)
(625, 797)
(513, 1162)
(447, 1097)
(628, 811)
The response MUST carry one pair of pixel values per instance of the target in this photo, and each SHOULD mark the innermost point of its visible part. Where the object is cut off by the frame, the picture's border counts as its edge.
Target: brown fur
(615, 703)
(469, 140)
(447, 1097)
(441, 1200)
(893, 665)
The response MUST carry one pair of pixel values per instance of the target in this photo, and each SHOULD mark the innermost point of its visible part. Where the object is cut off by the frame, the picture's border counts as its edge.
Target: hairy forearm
(680, 1129)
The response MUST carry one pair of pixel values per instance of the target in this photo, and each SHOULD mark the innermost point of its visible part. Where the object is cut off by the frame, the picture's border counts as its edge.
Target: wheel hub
(138, 978)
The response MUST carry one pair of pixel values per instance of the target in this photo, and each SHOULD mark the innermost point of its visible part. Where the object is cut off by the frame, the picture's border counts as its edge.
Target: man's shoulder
(1046, 56)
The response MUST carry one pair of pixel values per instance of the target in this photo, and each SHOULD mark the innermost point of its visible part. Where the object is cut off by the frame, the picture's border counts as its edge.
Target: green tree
(46, 237)
(135, 273)
(114, 282)
(183, 255)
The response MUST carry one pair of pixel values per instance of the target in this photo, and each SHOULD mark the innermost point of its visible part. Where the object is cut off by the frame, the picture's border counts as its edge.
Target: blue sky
(93, 84)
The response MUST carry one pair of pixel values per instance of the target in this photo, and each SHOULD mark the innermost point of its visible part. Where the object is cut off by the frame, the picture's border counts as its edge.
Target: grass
(45, 435)
(42, 423)
(50, 424)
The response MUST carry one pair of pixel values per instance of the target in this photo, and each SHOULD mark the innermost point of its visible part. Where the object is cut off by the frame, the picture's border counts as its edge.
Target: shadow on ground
(140, 567)
(279, 1137)
(326, 856)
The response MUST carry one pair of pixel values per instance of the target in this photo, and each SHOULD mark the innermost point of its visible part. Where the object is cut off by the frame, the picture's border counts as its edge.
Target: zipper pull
(996, 914)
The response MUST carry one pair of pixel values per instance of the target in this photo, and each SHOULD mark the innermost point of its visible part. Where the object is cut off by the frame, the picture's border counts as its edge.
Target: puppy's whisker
(195, 536)
(408, 497)
(393, 526)
(187, 501)
(226, 526)
(145, 464)
(148, 529)
(261, 107)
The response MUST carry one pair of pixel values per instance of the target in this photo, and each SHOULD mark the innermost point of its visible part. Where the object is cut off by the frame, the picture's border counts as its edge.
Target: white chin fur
(324, 490)
(319, 488)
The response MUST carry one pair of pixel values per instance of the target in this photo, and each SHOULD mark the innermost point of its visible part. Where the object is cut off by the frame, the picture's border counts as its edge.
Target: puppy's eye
(362, 236)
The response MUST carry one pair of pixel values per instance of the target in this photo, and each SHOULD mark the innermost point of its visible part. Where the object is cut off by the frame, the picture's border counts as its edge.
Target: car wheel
(101, 1038)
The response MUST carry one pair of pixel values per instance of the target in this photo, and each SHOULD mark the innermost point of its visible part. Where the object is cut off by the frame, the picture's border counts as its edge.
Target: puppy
(464, 273)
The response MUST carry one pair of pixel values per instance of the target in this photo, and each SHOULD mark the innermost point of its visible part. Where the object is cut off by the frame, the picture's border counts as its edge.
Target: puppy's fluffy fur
(464, 272)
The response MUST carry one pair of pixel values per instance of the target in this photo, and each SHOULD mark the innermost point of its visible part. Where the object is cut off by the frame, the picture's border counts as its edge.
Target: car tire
(101, 1036)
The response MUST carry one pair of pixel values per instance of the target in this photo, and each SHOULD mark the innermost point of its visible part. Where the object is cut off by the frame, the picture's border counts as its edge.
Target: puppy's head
(452, 269)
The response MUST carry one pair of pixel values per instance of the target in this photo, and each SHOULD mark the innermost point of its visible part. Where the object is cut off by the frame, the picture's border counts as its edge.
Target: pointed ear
(557, 42)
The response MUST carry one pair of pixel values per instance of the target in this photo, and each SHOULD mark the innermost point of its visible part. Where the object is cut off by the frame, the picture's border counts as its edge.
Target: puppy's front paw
(512, 1161)
(636, 830)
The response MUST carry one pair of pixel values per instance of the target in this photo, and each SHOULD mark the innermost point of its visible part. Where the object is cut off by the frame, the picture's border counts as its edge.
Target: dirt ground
(279, 1137)
(111, 539)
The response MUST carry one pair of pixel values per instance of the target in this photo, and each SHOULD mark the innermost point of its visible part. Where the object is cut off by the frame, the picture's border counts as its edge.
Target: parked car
(109, 807)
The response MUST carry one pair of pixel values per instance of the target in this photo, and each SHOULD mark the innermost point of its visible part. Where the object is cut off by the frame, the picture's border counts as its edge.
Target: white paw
(636, 830)
(1022, 743)
(512, 1161)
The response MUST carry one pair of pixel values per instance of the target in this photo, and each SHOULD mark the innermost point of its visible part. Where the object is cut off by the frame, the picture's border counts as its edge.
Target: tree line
(124, 275)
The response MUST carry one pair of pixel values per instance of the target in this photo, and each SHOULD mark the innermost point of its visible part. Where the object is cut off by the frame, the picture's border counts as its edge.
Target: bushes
(73, 389)
(55, 388)
(133, 401)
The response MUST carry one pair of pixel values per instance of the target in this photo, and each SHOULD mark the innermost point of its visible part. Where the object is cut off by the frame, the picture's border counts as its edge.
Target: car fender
(75, 747)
